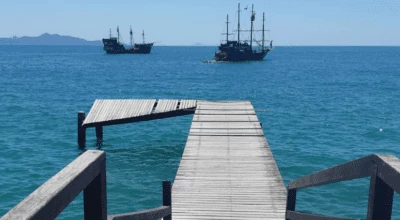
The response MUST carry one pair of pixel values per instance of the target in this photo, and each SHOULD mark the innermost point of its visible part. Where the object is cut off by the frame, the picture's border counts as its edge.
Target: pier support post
(99, 135)
(166, 185)
(81, 130)
(291, 200)
(95, 196)
(380, 199)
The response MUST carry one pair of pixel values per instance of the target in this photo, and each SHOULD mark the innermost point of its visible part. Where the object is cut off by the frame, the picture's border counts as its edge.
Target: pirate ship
(113, 45)
(242, 50)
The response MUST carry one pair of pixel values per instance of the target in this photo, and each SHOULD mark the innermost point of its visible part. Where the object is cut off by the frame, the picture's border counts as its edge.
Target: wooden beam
(291, 200)
(166, 185)
(380, 199)
(291, 215)
(149, 214)
(99, 136)
(81, 130)
(95, 196)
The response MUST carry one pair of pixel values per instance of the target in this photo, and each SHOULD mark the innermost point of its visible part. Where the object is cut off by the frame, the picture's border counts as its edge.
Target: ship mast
(143, 36)
(110, 34)
(227, 22)
(239, 23)
(131, 36)
(263, 31)
(118, 33)
(251, 28)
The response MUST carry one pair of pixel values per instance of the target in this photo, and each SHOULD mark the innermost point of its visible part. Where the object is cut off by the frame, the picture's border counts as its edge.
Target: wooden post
(95, 196)
(380, 199)
(99, 135)
(167, 197)
(81, 130)
(291, 200)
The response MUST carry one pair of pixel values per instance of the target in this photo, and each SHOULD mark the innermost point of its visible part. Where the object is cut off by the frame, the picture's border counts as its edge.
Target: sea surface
(320, 106)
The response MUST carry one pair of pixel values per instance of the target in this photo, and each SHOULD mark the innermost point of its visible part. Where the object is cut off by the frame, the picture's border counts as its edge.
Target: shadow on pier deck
(227, 170)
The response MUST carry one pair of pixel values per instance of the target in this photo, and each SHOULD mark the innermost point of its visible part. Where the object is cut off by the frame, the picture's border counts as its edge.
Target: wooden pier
(227, 170)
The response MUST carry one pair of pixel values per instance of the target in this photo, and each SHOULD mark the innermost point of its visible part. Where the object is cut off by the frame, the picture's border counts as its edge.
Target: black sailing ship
(113, 45)
(237, 50)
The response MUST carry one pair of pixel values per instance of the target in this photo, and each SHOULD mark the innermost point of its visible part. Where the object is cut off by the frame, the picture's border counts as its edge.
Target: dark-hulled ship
(113, 45)
(237, 50)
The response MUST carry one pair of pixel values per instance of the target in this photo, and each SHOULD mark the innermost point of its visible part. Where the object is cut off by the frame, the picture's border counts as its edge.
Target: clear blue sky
(185, 22)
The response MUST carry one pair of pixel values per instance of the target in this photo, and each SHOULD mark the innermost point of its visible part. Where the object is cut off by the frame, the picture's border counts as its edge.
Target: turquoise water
(320, 106)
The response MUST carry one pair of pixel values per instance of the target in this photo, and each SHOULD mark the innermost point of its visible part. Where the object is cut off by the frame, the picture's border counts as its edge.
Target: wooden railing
(384, 171)
(87, 173)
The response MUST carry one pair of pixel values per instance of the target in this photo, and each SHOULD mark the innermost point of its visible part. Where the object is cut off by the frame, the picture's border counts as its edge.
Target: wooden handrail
(384, 171)
(87, 173)
(351, 170)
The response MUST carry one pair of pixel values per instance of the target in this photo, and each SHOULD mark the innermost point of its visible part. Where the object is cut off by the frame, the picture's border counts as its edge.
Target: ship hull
(111, 46)
(143, 48)
(240, 56)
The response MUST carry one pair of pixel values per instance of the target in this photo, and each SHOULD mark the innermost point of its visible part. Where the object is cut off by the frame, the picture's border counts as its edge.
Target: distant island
(49, 39)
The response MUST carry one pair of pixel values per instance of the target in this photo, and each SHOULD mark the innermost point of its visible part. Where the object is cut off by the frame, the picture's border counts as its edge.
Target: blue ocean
(320, 106)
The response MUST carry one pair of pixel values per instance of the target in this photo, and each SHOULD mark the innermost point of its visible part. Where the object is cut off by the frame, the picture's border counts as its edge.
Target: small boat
(113, 45)
(242, 50)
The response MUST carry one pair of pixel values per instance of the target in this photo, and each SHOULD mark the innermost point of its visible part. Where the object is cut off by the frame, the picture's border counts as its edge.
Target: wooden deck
(227, 170)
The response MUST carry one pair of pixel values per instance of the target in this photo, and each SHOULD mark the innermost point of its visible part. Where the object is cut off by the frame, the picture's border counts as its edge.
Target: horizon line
(194, 44)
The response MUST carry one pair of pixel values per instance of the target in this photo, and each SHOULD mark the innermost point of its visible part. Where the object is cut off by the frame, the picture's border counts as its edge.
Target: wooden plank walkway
(114, 111)
(227, 170)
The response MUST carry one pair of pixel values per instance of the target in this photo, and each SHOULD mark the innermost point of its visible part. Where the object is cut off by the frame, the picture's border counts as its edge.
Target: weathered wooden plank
(146, 107)
(54, 195)
(224, 125)
(225, 112)
(185, 104)
(166, 105)
(225, 118)
(229, 132)
(109, 109)
(226, 107)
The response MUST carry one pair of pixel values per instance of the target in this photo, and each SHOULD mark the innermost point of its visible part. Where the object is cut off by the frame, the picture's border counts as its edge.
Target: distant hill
(49, 39)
